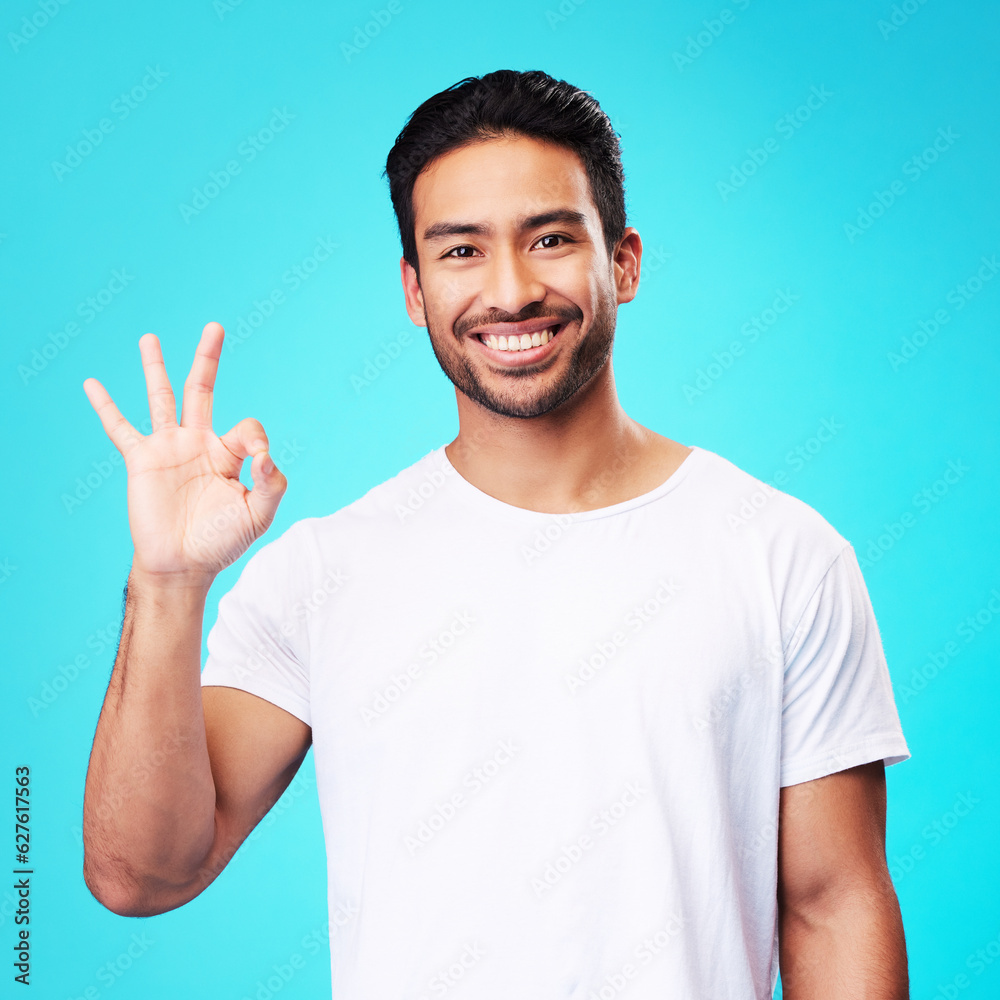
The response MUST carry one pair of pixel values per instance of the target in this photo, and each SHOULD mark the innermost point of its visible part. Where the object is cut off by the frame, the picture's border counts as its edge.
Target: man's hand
(178, 776)
(189, 514)
(839, 926)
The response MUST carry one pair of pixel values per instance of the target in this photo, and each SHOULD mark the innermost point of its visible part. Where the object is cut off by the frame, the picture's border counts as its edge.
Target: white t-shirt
(549, 747)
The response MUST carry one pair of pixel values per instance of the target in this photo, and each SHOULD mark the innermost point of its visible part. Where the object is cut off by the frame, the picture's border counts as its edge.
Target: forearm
(848, 948)
(149, 805)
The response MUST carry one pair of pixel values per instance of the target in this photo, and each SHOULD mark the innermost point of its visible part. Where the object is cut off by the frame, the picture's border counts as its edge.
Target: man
(577, 729)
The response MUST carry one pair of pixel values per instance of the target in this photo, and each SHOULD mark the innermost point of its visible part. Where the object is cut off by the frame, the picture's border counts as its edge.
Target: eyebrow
(443, 230)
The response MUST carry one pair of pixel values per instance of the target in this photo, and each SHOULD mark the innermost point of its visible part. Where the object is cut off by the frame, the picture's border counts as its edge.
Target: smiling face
(516, 287)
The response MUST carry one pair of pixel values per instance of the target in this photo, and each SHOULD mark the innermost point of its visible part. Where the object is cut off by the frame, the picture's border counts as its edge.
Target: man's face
(512, 253)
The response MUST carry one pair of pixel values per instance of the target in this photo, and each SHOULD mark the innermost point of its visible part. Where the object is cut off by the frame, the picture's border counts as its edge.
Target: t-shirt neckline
(496, 506)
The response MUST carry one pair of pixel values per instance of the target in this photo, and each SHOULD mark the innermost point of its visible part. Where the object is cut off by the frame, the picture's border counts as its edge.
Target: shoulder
(779, 544)
(745, 506)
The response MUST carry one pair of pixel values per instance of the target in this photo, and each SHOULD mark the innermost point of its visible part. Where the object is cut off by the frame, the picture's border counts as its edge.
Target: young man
(576, 728)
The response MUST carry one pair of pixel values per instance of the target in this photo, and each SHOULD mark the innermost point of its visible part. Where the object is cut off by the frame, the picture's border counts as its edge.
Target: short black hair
(500, 104)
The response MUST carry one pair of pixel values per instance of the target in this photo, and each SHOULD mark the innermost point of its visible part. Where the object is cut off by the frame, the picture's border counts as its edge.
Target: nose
(510, 283)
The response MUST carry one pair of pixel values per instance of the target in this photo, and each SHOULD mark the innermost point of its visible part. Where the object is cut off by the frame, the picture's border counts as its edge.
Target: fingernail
(258, 445)
(267, 465)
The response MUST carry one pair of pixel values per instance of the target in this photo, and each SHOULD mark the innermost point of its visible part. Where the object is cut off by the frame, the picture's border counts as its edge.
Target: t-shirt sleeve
(838, 709)
(259, 642)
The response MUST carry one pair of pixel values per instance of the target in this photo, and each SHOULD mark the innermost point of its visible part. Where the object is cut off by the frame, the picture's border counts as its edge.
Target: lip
(518, 359)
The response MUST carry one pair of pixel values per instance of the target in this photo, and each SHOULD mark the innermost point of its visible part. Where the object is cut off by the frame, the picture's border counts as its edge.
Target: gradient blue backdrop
(755, 136)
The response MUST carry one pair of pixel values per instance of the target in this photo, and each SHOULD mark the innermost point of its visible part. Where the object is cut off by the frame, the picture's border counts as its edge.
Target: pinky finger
(123, 435)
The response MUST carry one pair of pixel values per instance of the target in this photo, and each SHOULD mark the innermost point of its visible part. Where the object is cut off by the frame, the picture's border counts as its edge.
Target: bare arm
(839, 925)
(179, 776)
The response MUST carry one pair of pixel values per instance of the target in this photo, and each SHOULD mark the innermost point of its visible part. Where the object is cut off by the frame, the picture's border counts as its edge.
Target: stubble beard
(588, 358)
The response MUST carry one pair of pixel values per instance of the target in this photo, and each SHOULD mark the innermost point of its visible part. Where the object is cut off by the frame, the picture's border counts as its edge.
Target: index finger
(123, 435)
(196, 407)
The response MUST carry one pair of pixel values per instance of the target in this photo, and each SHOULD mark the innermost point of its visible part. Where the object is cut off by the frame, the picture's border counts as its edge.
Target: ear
(627, 264)
(412, 292)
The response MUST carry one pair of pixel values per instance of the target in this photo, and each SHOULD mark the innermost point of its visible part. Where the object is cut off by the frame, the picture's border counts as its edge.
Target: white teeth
(522, 343)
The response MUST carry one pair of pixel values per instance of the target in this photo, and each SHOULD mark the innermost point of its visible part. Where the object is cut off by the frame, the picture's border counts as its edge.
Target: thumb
(268, 488)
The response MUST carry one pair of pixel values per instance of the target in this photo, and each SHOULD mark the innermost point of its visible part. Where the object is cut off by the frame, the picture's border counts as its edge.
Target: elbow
(122, 895)
(822, 903)
(118, 899)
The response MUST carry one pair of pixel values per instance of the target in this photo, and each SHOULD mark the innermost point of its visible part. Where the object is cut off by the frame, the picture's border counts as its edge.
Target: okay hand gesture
(189, 514)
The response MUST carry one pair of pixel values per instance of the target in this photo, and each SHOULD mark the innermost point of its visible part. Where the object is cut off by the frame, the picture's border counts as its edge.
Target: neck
(586, 454)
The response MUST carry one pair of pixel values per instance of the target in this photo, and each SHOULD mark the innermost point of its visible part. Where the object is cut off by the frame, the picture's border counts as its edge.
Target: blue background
(694, 94)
